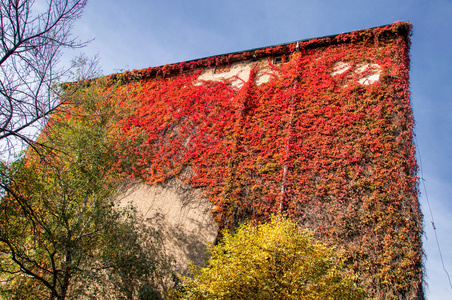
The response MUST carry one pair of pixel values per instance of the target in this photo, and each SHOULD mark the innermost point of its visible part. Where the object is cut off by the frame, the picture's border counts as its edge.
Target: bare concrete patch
(181, 214)
(238, 73)
(367, 73)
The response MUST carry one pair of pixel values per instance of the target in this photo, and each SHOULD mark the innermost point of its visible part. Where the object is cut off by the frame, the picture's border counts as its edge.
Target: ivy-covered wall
(326, 139)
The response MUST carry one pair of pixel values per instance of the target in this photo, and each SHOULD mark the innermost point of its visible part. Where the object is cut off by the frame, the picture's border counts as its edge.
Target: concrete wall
(181, 214)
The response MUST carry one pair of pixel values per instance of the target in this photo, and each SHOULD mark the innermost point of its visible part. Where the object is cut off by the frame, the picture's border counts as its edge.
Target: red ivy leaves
(335, 154)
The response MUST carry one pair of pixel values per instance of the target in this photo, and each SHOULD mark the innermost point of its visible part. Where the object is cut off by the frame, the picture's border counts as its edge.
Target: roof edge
(381, 33)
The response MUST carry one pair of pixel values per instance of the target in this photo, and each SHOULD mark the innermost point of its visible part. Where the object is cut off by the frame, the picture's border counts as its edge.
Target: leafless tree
(33, 35)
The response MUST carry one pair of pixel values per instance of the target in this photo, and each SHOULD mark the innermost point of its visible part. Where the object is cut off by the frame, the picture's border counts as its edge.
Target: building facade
(319, 130)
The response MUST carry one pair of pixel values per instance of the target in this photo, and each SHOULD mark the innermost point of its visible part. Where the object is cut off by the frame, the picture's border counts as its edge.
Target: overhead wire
(431, 213)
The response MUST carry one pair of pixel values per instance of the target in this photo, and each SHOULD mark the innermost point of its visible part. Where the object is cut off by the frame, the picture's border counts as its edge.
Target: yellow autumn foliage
(274, 260)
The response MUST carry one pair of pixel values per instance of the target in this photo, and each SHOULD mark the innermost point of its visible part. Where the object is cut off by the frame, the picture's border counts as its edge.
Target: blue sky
(144, 33)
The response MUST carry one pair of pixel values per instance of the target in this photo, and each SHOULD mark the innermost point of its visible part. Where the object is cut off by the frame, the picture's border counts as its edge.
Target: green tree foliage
(275, 260)
(62, 235)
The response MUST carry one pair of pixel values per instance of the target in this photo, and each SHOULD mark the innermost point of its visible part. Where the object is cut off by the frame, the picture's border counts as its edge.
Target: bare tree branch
(30, 47)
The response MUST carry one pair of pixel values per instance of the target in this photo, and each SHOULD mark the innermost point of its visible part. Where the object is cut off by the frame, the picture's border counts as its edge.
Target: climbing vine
(326, 141)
